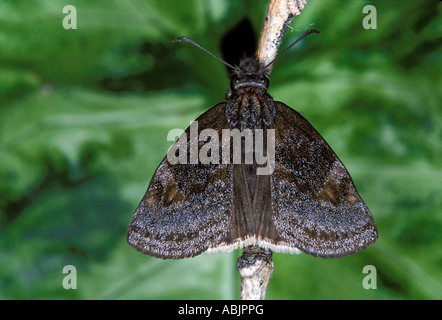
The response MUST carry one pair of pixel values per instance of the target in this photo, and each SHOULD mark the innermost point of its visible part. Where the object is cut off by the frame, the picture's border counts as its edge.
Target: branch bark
(278, 17)
(255, 266)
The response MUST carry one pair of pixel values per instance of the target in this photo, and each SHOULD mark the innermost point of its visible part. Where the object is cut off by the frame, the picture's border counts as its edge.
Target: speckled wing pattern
(316, 207)
(187, 207)
(309, 203)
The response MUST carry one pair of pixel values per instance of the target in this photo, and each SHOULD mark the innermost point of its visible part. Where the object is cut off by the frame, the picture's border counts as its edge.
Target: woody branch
(255, 266)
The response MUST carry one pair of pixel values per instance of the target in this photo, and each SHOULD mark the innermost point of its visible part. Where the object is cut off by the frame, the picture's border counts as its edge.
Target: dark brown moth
(308, 203)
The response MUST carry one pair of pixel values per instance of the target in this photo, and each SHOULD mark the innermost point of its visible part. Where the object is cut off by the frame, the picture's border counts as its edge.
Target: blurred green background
(84, 116)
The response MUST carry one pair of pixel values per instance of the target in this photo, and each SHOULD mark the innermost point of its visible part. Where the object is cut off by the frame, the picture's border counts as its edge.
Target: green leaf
(85, 114)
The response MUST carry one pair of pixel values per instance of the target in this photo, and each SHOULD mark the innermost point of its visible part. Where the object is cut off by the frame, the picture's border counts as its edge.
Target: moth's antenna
(297, 40)
(204, 49)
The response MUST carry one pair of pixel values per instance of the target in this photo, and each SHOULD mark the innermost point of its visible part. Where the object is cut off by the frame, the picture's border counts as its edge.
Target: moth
(306, 203)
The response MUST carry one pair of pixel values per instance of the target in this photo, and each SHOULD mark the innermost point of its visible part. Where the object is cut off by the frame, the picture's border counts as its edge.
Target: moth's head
(249, 73)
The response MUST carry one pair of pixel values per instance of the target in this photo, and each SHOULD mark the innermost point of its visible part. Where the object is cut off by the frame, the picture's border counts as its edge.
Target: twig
(255, 266)
(278, 17)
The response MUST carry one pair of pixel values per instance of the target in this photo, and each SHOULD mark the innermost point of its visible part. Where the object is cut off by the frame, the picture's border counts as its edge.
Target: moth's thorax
(249, 106)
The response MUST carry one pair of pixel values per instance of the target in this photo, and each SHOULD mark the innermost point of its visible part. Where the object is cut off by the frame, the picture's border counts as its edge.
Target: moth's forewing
(316, 207)
(187, 207)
